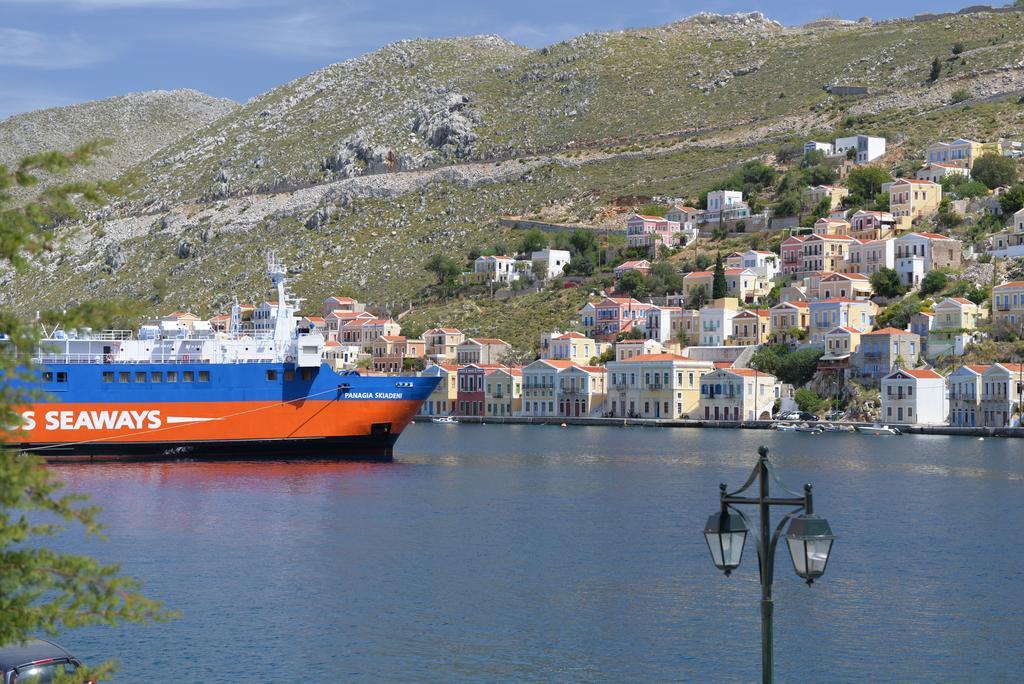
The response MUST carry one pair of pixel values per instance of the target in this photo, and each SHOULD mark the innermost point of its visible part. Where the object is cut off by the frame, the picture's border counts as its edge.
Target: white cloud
(38, 50)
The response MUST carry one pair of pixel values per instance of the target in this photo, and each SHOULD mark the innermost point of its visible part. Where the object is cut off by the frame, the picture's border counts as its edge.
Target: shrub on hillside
(994, 170)
(886, 283)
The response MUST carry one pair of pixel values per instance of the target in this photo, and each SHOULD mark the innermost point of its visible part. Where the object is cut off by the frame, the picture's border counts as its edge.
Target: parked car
(804, 415)
(835, 415)
(37, 661)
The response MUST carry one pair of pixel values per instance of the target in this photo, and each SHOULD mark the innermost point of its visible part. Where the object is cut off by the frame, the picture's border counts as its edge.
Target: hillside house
(443, 343)
(916, 397)
(441, 402)
(965, 387)
(656, 386)
(792, 251)
(788, 320)
(869, 256)
(503, 391)
(935, 172)
(1002, 387)
(866, 148)
(826, 314)
(615, 315)
(961, 152)
(831, 225)
(482, 351)
(954, 323)
(872, 225)
(883, 350)
(552, 262)
(814, 194)
(651, 232)
(1008, 306)
(738, 394)
(496, 268)
(751, 326)
(918, 253)
(641, 266)
(911, 199)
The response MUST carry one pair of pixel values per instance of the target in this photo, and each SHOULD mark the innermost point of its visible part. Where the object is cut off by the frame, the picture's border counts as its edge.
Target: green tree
(934, 282)
(936, 71)
(897, 315)
(444, 268)
(768, 358)
(882, 201)
(886, 283)
(533, 241)
(583, 241)
(822, 209)
(866, 181)
(994, 170)
(789, 204)
(1012, 200)
(719, 286)
(798, 367)
(698, 297)
(633, 283)
(671, 279)
(808, 401)
(960, 95)
(43, 590)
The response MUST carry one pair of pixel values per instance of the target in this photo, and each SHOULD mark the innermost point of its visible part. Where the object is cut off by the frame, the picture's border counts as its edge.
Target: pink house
(643, 266)
(651, 232)
(614, 315)
(792, 254)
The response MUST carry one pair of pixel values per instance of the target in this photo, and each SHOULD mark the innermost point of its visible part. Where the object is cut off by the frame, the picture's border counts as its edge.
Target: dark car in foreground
(35, 661)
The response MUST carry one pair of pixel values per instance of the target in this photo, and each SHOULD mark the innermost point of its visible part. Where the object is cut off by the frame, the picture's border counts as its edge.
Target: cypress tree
(719, 287)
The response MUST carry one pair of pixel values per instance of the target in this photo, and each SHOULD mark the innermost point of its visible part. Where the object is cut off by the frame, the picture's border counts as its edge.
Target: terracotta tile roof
(799, 303)
(485, 340)
(1012, 367)
(392, 338)
(923, 373)
(1012, 283)
(889, 331)
(763, 313)
(698, 274)
(735, 271)
(590, 369)
(657, 357)
(572, 336)
(645, 217)
(844, 328)
(633, 264)
(977, 368)
(837, 300)
(511, 370)
(722, 364)
(346, 300)
(749, 372)
(831, 236)
(915, 181)
(446, 331)
(960, 300)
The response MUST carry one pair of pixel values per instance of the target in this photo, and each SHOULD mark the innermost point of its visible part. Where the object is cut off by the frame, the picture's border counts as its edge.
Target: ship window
(124, 376)
(62, 376)
(307, 373)
(271, 375)
(140, 376)
(47, 376)
(188, 376)
(156, 376)
(172, 376)
(289, 375)
(108, 376)
(204, 376)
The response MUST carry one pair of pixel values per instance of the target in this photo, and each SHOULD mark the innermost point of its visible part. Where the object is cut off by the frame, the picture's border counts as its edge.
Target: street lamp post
(809, 539)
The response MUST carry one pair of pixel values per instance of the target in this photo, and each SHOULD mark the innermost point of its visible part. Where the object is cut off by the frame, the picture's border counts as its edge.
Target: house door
(716, 413)
(899, 413)
(657, 409)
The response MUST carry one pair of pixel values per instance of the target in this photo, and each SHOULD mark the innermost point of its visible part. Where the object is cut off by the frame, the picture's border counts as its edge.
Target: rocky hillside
(424, 103)
(139, 124)
(359, 172)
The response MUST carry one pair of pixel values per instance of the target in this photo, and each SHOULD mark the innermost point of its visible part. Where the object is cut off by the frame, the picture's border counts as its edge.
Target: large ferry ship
(175, 392)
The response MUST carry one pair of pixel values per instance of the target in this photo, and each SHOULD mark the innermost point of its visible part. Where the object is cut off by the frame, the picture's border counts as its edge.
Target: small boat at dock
(447, 420)
(878, 430)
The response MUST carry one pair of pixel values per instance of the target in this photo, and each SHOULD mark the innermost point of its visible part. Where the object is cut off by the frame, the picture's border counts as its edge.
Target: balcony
(654, 386)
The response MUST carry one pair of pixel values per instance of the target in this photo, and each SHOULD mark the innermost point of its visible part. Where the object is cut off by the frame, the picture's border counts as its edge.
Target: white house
(738, 394)
(815, 146)
(868, 148)
(716, 322)
(765, 264)
(725, 205)
(554, 261)
(500, 269)
(915, 397)
(936, 171)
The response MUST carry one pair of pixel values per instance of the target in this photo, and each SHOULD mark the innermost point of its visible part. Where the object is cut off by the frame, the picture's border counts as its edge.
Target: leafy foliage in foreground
(43, 590)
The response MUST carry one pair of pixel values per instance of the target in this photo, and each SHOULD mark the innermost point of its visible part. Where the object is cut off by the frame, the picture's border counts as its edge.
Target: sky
(57, 52)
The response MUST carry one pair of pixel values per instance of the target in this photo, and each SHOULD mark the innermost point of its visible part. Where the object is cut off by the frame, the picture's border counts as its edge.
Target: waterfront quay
(950, 430)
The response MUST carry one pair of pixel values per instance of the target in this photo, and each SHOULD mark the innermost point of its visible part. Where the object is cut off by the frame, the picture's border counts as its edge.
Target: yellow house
(656, 386)
(741, 283)
(503, 391)
(911, 199)
(842, 342)
(573, 346)
(1008, 306)
(441, 402)
(786, 318)
(961, 152)
(814, 194)
(751, 326)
